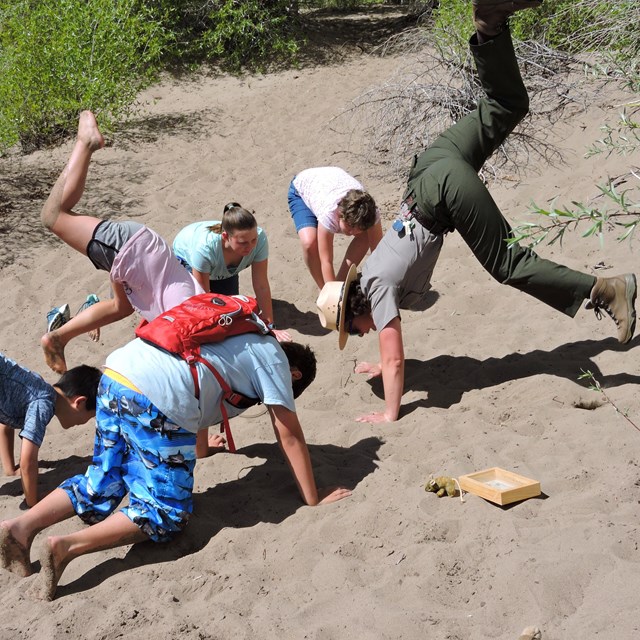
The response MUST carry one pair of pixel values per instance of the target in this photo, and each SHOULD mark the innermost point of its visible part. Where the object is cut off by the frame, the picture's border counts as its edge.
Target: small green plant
(596, 386)
(58, 57)
(623, 139)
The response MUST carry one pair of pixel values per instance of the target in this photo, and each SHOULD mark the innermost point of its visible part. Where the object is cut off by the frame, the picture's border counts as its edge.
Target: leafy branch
(596, 386)
(623, 219)
(623, 139)
(621, 211)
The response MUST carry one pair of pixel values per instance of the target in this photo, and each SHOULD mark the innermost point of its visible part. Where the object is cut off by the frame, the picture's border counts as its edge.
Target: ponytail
(234, 218)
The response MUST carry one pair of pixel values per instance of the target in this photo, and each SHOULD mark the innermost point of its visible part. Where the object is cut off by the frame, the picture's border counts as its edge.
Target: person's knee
(160, 523)
(521, 109)
(308, 239)
(49, 214)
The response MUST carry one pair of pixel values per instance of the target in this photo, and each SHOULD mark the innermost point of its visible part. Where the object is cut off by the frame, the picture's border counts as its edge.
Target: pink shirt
(321, 189)
(151, 275)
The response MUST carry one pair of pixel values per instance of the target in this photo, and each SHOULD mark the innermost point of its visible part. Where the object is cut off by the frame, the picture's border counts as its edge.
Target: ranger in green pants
(444, 193)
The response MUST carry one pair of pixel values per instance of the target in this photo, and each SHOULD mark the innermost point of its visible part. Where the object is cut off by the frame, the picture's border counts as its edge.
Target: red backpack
(201, 319)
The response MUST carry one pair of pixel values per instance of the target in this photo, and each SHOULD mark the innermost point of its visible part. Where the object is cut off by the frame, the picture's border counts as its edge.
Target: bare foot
(13, 556)
(94, 334)
(531, 633)
(88, 131)
(52, 565)
(53, 352)
(15, 472)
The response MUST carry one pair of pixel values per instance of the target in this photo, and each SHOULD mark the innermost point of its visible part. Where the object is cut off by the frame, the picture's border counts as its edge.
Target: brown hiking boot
(617, 296)
(489, 16)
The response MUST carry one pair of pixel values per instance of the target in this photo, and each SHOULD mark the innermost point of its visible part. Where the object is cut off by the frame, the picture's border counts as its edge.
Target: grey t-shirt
(398, 273)
(27, 402)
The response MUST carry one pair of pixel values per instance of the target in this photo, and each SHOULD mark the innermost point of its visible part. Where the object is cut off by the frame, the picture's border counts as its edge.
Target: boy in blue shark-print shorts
(158, 474)
(148, 418)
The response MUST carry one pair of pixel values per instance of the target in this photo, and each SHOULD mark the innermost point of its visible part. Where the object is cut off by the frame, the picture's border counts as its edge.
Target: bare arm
(291, 440)
(392, 365)
(325, 250)
(356, 250)
(7, 437)
(203, 279)
(97, 315)
(207, 445)
(29, 471)
(260, 280)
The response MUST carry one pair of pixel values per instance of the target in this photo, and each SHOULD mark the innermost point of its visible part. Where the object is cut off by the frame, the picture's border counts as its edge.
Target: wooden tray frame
(487, 484)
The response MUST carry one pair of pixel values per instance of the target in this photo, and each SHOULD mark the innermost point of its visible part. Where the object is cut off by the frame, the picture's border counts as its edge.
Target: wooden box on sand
(499, 486)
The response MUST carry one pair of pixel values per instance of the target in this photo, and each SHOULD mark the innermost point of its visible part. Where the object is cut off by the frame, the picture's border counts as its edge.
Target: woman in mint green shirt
(215, 252)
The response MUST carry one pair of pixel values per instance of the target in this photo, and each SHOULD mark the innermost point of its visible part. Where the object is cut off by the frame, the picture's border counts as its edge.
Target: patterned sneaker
(92, 298)
(57, 317)
(616, 296)
(489, 16)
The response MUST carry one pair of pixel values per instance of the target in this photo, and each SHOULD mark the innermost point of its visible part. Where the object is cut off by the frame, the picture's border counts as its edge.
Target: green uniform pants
(445, 185)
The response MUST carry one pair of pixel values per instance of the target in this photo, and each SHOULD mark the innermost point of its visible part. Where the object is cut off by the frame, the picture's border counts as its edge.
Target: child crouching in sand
(28, 404)
(145, 447)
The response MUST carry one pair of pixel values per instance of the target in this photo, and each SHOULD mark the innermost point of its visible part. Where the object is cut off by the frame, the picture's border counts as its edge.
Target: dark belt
(428, 221)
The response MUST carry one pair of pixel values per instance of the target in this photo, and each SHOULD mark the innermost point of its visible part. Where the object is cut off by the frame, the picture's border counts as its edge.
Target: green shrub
(58, 57)
(250, 32)
(234, 33)
(608, 28)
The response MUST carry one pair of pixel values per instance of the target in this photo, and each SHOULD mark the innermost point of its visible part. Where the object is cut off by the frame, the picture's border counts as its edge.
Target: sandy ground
(492, 380)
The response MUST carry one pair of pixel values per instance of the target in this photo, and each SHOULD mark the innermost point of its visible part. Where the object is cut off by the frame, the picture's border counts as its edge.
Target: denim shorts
(301, 214)
(138, 451)
(108, 238)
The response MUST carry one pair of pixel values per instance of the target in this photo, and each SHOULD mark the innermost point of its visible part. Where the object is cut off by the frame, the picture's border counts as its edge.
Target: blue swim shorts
(138, 451)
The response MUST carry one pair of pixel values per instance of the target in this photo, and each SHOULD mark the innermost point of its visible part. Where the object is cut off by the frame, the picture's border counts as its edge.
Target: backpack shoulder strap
(226, 393)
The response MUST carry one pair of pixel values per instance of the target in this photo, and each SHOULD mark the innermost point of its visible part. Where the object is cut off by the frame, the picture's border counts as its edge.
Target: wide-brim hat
(332, 301)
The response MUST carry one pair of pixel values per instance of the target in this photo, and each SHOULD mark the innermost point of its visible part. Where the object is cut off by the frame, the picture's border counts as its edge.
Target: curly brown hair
(358, 209)
(356, 303)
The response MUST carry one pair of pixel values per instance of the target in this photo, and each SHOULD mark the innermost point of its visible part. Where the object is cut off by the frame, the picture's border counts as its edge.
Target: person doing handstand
(144, 273)
(444, 193)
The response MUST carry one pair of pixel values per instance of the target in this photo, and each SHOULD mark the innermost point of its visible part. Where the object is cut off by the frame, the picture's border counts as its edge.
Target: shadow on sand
(243, 503)
(446, 378)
